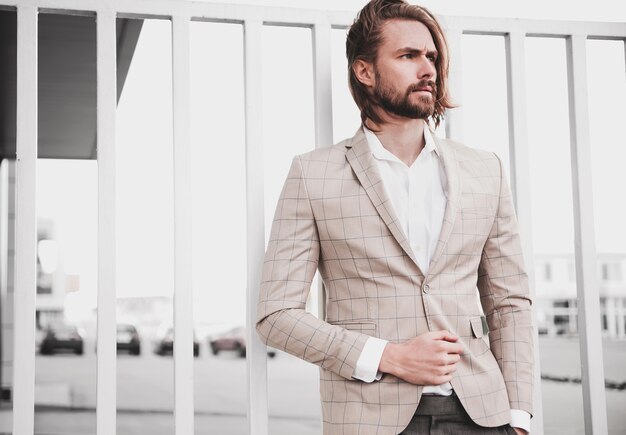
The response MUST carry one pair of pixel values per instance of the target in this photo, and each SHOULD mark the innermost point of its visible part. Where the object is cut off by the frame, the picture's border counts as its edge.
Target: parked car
(128, 339)
(165, 343)
(233, 340)
(61, 337)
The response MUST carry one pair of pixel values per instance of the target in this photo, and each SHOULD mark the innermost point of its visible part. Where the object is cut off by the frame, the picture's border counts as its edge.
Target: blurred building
(51, 279)
(66, 130)
(555, 304)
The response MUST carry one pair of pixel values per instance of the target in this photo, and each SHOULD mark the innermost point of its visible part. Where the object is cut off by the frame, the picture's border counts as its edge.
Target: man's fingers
(442, 379)
(450, 369)
(453, 358)
(452, 348)
(445, 335)
(457, 349)
(448, 360)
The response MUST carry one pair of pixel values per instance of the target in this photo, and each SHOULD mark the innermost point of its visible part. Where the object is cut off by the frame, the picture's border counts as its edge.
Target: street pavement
(66, 392)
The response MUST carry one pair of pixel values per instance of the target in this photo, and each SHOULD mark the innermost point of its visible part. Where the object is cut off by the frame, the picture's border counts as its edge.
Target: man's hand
(519, 431)
(428, 359)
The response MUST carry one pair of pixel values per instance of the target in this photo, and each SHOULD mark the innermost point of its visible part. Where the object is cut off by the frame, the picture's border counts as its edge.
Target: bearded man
(428, 320)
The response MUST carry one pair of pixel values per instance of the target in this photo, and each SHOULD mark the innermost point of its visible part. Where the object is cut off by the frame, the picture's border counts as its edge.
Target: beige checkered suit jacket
(334, 215)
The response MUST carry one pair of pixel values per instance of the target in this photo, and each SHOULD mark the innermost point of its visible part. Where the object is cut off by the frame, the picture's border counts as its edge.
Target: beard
(397, 103)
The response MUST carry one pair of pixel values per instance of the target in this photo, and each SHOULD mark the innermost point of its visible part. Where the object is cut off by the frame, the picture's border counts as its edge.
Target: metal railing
(181, 13)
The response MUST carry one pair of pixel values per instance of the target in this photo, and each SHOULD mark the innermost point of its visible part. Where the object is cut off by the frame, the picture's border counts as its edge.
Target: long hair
(365, 37)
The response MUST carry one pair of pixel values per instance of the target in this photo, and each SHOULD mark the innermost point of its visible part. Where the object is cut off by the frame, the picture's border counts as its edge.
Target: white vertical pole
(454, 117)
(6, 317)
(107, 245)
(322, 77)
(588, 298)
(520, 185)
(183, 298)
(25, 223)
(256, 350)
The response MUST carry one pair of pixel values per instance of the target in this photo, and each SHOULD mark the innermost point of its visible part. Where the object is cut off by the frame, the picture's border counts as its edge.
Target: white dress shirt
(418, 198)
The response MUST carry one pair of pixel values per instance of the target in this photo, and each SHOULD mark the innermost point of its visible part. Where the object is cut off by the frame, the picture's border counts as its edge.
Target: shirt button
(425, 288)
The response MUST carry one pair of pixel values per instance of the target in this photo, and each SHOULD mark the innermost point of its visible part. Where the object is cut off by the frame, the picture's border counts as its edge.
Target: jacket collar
(365, 167)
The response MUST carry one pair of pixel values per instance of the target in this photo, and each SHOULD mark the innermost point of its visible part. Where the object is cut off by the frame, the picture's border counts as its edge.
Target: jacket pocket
(477, 327)
(480, 332)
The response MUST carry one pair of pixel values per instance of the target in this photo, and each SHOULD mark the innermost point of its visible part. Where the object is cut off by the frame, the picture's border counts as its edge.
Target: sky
(579, 10)
(144, 132)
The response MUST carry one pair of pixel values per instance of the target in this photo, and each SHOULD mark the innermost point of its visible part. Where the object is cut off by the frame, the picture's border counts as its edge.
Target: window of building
(611, 271)
(547, 271)
(571, 271)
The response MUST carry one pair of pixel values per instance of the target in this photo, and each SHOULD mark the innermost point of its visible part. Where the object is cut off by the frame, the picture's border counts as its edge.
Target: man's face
(404, 70)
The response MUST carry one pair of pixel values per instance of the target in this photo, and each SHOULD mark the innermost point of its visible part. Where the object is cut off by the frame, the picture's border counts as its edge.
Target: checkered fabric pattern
(334, 215)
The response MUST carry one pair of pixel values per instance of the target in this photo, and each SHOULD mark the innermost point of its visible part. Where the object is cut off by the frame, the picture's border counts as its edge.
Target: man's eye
(432, 58)
(407, 56)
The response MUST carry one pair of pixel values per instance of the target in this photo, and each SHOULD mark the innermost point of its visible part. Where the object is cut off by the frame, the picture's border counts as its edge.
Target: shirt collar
(381, 153)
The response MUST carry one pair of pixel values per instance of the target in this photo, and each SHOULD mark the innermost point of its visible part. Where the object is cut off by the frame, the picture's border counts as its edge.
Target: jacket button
(425, 288)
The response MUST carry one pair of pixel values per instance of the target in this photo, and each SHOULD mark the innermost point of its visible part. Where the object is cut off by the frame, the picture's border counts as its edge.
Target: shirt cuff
(520, 419)
(367, 365)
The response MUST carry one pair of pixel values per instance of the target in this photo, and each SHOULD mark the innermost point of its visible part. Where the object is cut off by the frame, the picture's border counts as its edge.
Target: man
(428, 322)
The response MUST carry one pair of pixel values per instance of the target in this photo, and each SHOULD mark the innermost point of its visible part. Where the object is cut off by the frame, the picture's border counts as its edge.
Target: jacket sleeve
(504, 293)
(289, 266)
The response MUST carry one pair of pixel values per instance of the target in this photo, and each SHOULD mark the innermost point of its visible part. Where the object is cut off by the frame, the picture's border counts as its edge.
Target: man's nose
(427, 70)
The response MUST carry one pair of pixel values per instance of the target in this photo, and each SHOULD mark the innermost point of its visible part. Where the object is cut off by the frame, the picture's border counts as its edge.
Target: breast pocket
(476, 222)
(479, 342)
(477, 212)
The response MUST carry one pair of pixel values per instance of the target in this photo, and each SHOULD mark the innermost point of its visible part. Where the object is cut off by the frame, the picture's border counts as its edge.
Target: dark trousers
(444, 415)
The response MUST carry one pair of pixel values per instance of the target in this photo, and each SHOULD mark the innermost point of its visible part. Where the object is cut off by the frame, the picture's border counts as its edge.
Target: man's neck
(404, 139)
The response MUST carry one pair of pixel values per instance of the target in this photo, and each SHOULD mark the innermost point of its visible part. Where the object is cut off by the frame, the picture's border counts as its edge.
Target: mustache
(423, 84)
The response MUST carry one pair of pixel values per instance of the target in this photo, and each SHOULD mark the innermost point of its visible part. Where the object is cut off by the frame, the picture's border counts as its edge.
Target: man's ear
(364, 72)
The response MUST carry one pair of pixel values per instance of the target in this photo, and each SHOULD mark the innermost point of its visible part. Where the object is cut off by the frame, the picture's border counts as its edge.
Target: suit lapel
(452, 189)
(362, 161)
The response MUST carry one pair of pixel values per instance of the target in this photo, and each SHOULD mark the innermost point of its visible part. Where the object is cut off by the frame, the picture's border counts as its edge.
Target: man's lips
(424, 86)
